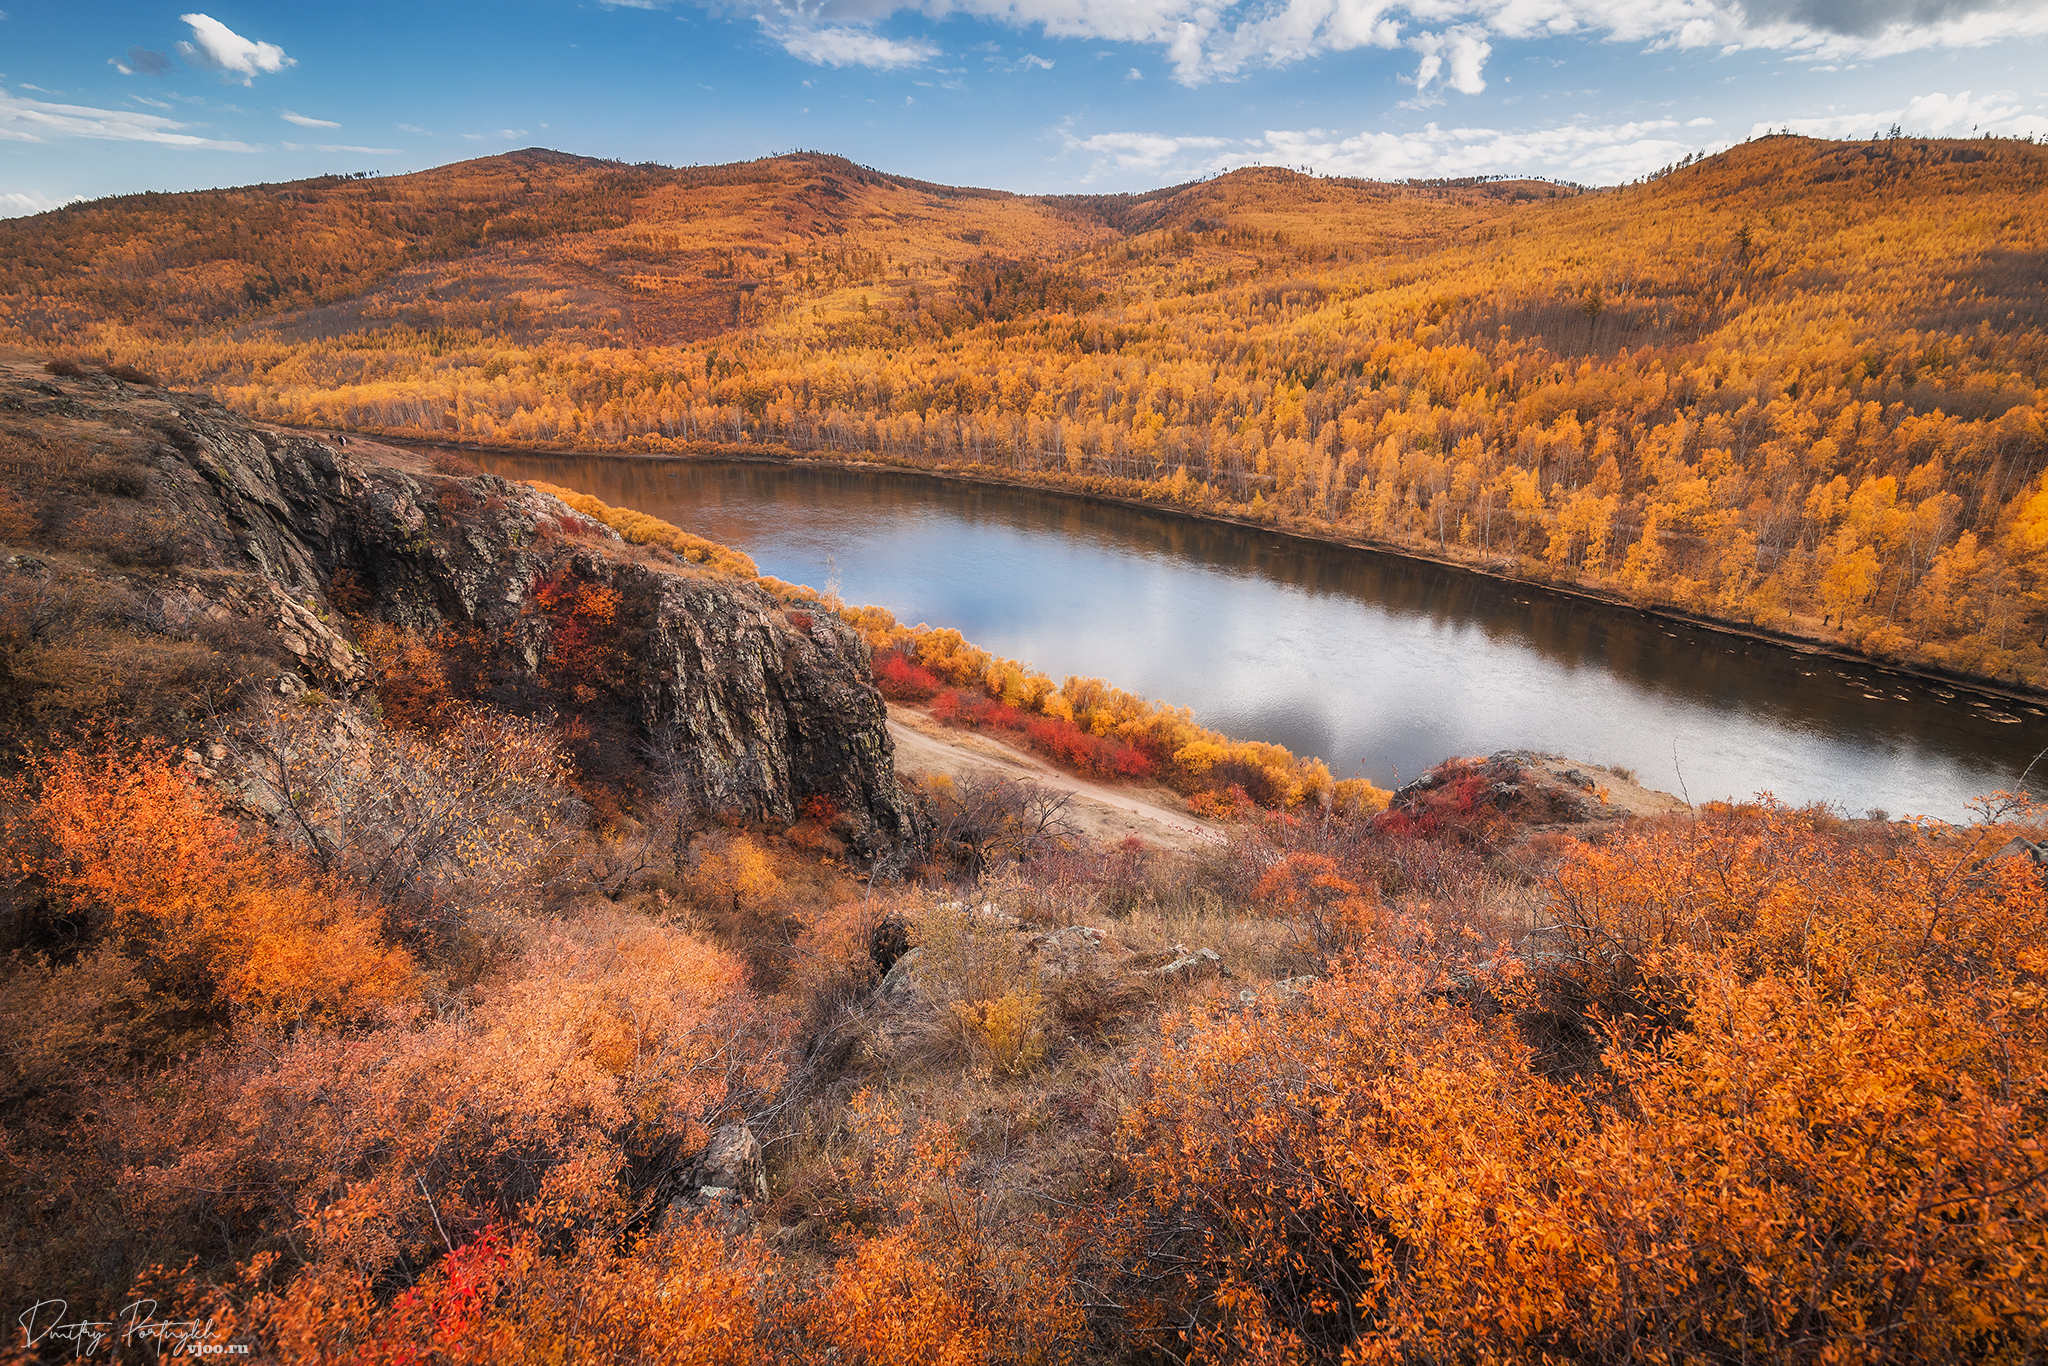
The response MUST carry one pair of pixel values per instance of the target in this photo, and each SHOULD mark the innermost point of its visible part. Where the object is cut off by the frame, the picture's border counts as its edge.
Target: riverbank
(1810, 646)
(1102, 813)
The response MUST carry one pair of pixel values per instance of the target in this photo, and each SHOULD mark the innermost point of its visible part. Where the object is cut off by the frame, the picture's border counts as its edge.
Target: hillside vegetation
(419, 946)
(1798, 384)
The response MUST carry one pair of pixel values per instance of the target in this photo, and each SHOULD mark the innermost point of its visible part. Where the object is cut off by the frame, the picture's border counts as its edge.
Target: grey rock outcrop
(732, 1162)
(1188, 964)
(764, 712)
(899, 984)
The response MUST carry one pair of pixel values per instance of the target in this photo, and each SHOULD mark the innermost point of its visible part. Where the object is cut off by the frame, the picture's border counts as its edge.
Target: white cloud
(410, 128)
(842, 46)
(219, 48)
(153, 104)
(1150, 153)
(15, 203)
(1465, 49)
(339, 147)
(1825, 30)
(1597, 154)
(1933, 115)
(1134, 75)
(1588, 153)
(36, 121)
(510, 133)
(300, 119)
(1207, 40)
(1032, 59)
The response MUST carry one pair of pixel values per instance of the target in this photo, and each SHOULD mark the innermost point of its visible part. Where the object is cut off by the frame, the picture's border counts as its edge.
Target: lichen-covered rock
(899, 984)
(765, 713)
(1282, 992)
(773, 715)
(311, 635)
(1188, 964)
(732, 1161)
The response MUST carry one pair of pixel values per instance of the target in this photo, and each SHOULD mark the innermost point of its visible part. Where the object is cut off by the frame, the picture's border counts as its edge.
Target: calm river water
(1380, 665)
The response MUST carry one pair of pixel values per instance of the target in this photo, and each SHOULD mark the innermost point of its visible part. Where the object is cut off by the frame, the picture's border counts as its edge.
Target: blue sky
(1028, 95)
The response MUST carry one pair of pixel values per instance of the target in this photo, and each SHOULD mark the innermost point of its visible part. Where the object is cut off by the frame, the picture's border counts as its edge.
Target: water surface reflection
(1379, 664)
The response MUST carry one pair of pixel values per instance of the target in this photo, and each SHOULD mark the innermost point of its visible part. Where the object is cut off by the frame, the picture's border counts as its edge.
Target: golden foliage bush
(958, 1278)
(138, 851)
(1815, 1132)
(1008, 1032)
(641, 529)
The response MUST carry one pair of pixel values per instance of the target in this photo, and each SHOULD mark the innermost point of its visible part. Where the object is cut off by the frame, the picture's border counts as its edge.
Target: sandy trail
(1105, 814)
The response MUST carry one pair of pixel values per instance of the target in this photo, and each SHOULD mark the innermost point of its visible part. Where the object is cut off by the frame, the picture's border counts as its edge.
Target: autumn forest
(446, 919)
(1794, 386)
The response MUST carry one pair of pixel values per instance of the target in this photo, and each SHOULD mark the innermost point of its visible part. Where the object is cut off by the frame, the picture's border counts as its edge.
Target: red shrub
(1067, 744)
(1461, 801)
(970, 712)
(902, 681)
(1063, 742)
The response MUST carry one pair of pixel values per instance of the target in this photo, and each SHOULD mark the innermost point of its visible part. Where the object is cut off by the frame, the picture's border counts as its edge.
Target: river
(1381, 665)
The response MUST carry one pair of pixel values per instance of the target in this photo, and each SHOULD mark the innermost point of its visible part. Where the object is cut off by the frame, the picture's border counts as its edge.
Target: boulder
(730, 1163)
(1070, 950)
(1188, 964)
(899, 984)
(1280, 992)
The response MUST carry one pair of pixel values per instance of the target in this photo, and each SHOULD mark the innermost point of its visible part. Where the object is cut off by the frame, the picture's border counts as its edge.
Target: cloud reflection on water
(1374, 662)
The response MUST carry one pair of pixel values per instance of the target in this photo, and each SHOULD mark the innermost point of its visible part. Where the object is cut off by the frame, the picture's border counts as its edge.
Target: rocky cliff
(198, 522)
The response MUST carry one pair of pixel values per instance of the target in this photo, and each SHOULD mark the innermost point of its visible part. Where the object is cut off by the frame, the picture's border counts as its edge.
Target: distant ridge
(1795, 386)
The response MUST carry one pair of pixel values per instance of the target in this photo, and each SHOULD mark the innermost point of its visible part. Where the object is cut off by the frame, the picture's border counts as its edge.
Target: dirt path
(1103, 813)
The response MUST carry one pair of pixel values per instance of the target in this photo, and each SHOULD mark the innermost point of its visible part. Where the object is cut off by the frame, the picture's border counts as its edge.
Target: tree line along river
(1379, 664)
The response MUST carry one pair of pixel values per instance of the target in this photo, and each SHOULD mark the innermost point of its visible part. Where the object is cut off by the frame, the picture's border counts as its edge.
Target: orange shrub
(1823, 1140)
(609, 1041)
(689, 1295)
(957, 1280)
(135, 843)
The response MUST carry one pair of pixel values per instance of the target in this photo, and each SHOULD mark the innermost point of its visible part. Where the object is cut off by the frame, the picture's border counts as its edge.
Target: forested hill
(1797, 384)
(645, 254)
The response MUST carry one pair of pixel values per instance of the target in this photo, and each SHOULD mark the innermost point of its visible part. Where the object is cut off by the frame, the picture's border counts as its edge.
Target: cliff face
(540, 608)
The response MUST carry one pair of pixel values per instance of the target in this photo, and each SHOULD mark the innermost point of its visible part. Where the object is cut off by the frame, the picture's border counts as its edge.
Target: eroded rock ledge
(767, 708)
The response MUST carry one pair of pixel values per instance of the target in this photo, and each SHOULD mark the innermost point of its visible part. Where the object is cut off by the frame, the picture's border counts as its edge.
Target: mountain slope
(557, 243)
(1798, 384)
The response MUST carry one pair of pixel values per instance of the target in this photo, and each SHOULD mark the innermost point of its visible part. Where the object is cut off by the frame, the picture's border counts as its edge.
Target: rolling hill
(1797, 385)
